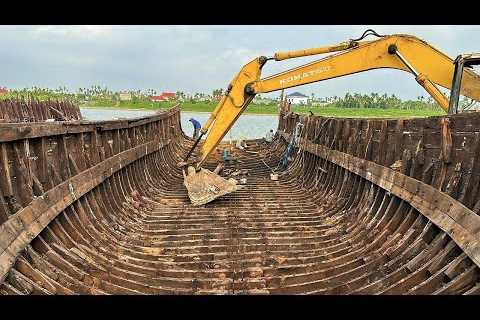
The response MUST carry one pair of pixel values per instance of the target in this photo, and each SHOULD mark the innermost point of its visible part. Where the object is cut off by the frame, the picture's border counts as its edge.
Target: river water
(248, 126)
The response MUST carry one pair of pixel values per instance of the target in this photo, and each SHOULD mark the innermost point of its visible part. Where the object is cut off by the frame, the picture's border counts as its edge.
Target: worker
(269, 136)
(226, 154)
(196, 127)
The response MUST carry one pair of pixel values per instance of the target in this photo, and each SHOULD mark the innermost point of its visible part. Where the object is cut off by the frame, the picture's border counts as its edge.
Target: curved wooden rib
(326, 227)
(30, 110)
(459, 222)
(25, 225)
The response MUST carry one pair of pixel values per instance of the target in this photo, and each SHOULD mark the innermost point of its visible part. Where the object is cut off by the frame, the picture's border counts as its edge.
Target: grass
(350, 106)
(371, 112)
(186, 106)
(271, 109)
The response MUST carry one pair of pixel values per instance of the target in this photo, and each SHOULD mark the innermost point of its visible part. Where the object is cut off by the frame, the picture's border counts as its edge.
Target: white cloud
(193, 58)
(85, 32)
(239, 56)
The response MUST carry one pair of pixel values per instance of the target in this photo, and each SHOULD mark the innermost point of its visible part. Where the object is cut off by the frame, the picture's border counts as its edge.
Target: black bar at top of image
(241, 12)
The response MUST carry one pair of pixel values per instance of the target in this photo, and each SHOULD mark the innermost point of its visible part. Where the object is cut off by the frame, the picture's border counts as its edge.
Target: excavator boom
(402, 52)
(369, 55)
(431, 65)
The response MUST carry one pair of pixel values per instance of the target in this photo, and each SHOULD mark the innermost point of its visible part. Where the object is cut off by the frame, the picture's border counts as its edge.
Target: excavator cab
(458, 101)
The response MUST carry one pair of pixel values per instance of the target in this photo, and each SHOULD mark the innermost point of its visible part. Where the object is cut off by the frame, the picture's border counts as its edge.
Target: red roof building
(163, 97)
(3, 90)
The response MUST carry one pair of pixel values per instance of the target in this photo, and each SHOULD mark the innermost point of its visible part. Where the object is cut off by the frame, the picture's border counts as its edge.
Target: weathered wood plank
(18, 231)
(5, 175)
(459, 222)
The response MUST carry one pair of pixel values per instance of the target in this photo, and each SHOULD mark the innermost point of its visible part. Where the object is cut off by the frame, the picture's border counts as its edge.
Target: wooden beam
(458, 221)
(26, 224)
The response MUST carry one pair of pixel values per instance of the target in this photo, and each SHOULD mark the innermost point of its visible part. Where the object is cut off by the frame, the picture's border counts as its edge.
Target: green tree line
(102, 94)
(379, 101)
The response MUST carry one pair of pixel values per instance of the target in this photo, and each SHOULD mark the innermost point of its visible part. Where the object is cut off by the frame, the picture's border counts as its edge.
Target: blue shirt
(196, 124)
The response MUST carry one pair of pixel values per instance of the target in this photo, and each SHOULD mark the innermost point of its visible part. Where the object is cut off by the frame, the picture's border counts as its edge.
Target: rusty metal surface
(31, 110)
(119, 220)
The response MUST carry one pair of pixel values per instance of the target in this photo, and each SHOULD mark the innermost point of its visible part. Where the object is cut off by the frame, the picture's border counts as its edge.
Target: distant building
(125, 96)
(3, 90)
(156, 98)
(297, 98)
(165, 96)
(168, 95)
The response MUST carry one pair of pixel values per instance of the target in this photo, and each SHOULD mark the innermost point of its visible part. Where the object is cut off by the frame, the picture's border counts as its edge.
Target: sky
(197, 58)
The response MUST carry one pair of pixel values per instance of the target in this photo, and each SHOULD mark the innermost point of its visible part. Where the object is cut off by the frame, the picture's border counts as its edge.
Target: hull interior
(319, 229)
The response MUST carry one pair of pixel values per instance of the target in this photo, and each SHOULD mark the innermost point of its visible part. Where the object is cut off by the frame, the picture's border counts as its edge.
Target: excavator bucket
(205, 186)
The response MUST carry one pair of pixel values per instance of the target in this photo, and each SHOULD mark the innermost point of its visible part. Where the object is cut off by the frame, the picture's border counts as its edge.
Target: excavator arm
(402, 52)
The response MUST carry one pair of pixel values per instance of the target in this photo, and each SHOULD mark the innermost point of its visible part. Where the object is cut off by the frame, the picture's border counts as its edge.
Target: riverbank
(257, 109)
(162, 109)
(206, 107)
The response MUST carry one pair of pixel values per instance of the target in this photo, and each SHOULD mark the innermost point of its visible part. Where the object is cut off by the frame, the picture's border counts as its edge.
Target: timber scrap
(32, 110)
(365, 207)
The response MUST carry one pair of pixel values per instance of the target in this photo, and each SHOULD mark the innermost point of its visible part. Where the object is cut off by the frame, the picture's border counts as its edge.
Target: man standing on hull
(196, 127)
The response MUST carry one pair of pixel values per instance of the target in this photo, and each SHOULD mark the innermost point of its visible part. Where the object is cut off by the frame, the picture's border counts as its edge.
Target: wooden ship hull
(31, 110)
(363, 207)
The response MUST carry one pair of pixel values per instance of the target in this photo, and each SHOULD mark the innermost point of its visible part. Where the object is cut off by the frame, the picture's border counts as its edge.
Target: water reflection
(247, 126)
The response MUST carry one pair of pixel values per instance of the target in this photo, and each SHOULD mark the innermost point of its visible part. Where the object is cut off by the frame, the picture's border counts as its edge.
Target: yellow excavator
(429, 66)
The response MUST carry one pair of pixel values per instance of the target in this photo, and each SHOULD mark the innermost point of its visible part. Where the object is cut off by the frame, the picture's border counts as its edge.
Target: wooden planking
(459, 222)
(26, 224)
(5, 175)
(17, 131)
(438, 146)
(40, 163)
